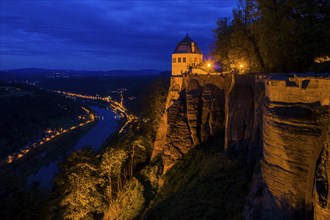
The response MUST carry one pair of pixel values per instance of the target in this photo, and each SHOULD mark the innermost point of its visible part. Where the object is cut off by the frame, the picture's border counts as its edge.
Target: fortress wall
(307, 90)
(199, 71)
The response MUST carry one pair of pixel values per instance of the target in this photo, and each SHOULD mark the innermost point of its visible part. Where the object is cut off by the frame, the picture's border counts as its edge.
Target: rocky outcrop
(295, 146)
(291, 180)
(201, 106)
(320, 196)
(287, 140)
(244, 103)
(195, 110)
(260, 203)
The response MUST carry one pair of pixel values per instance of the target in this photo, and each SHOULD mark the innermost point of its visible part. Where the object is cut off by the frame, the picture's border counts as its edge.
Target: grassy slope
(202, 185)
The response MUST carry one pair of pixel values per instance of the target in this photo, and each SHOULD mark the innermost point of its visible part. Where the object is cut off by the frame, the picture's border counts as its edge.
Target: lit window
(184, 59)
(190, 60)
(195, 60)
(174, 60)
(179, 60)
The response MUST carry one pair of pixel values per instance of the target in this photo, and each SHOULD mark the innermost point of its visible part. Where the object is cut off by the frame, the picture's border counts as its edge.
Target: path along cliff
(278, 125)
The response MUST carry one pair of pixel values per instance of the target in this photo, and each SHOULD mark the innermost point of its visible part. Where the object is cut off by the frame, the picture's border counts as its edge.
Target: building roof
(186, 46)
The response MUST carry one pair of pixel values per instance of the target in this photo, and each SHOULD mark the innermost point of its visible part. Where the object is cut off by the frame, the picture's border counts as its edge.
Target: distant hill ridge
(45, 72)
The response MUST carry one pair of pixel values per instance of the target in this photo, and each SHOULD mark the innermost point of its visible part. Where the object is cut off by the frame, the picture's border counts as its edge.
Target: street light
(208, 67)
(241, 67)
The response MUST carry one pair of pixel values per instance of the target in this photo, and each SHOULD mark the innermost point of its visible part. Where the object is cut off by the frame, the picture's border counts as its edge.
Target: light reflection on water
(93, 138)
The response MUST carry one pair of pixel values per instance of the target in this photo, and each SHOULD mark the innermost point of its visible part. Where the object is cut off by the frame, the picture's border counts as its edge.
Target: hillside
(212, 147)
(27, 112)
(207, 154)
(203, 184)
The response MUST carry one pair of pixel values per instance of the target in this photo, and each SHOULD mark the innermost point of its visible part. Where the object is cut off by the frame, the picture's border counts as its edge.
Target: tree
(274, 35)
(121, 156)
(110, 169)
(79, 184)
(236, 44)
(223, 43)
(129, 204)
(136, 145)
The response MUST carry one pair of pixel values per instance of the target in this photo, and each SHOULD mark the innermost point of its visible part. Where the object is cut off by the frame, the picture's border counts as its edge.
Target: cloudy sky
(103, 34)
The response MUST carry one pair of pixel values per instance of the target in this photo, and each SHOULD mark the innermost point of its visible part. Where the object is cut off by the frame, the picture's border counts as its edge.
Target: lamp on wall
(241, 68)
(208, 67)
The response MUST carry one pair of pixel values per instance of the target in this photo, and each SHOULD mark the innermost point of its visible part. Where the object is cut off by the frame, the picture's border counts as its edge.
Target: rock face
(321, 194)
(295, 163)
(244, 103)
(282, 125)
(195, 110)
(295, 153)
(202, 106)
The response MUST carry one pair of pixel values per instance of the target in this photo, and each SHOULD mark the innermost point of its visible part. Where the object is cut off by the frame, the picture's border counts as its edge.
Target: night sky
(103, 35)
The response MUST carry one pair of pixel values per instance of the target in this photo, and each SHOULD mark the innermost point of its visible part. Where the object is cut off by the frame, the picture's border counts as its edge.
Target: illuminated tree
(78, 183)
(274, 35)
(121, 157)
(129, 204)
(236, 43)
(111, 169)
(136, 145)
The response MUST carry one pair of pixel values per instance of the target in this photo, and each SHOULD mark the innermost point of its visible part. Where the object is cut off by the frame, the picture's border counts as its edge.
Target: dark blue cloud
(102, 35)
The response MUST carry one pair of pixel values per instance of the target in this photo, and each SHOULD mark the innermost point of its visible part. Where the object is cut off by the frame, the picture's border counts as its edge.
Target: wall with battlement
(298, 89)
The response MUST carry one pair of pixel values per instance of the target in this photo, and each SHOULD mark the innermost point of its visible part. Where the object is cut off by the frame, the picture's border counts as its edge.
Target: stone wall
(303, 89)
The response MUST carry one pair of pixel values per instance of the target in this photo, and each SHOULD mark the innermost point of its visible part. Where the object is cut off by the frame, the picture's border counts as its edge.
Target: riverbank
(94, 138)
(48, 152)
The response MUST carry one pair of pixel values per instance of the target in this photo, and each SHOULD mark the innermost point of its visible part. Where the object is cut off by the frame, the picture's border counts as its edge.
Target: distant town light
(208, 65)
(322, 59)
(241, 66)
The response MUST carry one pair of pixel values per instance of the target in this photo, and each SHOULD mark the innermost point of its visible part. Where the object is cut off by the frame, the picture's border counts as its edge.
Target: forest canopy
(275, 36)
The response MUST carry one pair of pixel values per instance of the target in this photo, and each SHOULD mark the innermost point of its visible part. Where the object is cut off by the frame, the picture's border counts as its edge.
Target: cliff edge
(195, 110)
(277, 125)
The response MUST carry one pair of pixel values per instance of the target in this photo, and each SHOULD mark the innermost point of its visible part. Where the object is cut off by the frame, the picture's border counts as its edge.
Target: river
(93, 138)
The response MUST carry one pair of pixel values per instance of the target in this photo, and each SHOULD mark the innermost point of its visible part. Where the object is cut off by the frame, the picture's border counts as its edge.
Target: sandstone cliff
(195, 110)
(286, 140)
(296, 139)
(244, 103)
(293, 182)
